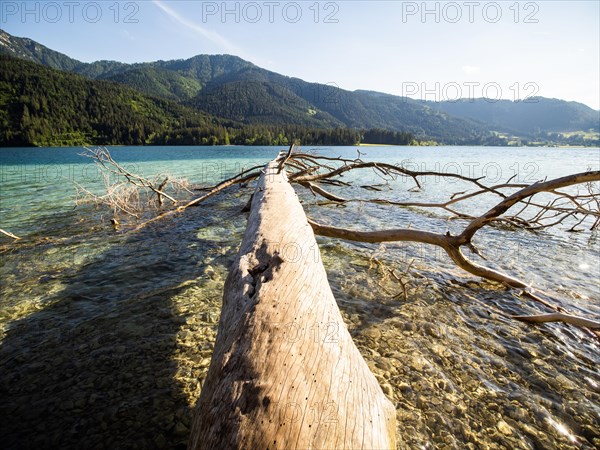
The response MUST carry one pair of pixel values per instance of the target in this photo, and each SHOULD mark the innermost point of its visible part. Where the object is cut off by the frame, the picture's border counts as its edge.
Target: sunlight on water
(106, 337)
(562, 429)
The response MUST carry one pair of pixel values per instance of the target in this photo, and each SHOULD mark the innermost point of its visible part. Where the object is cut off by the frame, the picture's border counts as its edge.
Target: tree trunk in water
(285, 373)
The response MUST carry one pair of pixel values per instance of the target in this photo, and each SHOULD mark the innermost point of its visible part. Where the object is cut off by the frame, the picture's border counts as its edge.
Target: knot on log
(263, 272)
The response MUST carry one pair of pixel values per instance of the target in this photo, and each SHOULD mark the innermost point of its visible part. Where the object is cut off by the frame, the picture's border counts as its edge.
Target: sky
(425, 50)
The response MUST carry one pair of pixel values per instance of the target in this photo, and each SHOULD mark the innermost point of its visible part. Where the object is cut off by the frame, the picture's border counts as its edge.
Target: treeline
(575, 140)
(380, 136)
(260, 135)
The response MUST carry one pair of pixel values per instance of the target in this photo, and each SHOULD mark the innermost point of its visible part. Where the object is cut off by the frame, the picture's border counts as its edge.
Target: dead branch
(538, 221)
(522, 194)
(9, 234)
(160, 189)
(103, 158)
(195, 202)
(560, 317)
(401, 234)
(400, 280)
(316, 189)
(121, 197)
(445, 241)
(564, 206)
(452, 244)
(386, 170)
(449, 244)
(125, 196)
(284, 160)
(131, 194)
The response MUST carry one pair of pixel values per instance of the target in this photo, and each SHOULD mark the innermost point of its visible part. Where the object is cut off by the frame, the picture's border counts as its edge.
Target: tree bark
(285, 373)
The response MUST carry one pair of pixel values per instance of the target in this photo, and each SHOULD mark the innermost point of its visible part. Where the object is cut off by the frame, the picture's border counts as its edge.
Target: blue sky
(427, 50)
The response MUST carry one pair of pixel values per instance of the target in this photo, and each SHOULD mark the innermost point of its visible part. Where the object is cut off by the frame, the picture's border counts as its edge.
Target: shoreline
(302, 145)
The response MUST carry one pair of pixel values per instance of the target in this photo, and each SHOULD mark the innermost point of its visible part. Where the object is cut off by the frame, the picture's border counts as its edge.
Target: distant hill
(536, 114)
(236, 91)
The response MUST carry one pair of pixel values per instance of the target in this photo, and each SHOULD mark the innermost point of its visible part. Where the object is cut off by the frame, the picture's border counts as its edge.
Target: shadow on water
(99, 366)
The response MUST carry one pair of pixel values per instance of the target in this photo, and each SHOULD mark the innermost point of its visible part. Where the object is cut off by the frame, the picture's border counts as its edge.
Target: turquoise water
(106, 335)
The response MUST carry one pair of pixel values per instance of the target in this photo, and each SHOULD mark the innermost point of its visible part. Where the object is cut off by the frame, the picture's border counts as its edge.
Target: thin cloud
(212, 36)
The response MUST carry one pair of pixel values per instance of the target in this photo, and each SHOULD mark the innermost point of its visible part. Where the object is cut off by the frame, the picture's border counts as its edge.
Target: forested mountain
(47, 107)
(255, 95)
(43, 106)
(159, 82)
(176, 79)
(242, 95)
(393, 112)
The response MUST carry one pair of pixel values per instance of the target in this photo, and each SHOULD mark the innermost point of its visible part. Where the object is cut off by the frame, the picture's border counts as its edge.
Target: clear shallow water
(106, 337)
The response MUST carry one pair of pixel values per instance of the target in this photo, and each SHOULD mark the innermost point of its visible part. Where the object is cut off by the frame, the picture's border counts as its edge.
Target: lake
(106, 336)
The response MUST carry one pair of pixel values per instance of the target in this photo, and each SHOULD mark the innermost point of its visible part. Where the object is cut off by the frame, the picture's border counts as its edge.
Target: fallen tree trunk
(285, 373)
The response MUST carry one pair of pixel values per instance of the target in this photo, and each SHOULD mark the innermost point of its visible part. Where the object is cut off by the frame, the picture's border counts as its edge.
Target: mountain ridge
(233, 89)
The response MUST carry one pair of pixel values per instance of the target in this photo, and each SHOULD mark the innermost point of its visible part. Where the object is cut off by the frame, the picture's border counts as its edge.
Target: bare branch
(160, 188)
(522, 194)
(445, 241)
(481, 271)
(215, 190)
(316, 189)
(401, 234)
(560, 317)
(106, 161)
(9, 234)
(284, 160)
(385, 169)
